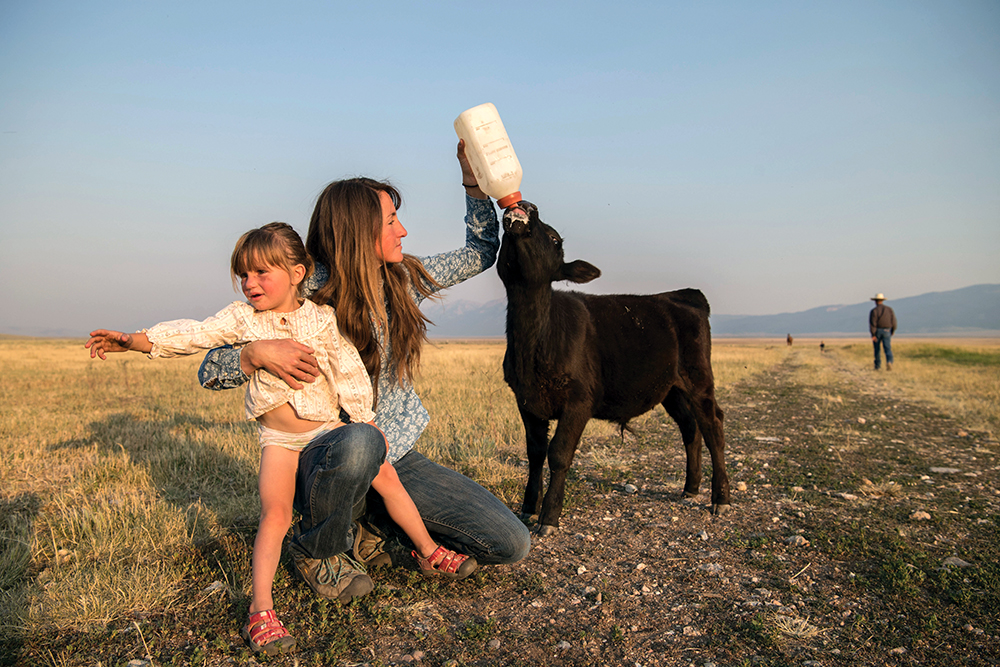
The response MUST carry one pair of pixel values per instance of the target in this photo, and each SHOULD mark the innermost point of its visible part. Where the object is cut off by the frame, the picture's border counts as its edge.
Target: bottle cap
(509, 200)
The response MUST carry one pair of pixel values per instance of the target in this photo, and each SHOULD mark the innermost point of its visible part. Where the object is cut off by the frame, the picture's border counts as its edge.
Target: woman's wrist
(474, 191)
(247, 361)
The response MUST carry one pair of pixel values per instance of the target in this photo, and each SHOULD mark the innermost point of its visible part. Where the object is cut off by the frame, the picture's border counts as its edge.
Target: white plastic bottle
(490, 154)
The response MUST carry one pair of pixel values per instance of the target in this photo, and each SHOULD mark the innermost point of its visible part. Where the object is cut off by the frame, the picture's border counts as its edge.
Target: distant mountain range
(967, 311)
(466, 319)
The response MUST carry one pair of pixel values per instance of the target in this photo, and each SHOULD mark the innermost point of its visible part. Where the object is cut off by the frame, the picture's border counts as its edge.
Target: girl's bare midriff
(284, 418)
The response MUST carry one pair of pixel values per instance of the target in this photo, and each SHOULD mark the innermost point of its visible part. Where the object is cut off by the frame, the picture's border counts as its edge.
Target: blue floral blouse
(399, 413)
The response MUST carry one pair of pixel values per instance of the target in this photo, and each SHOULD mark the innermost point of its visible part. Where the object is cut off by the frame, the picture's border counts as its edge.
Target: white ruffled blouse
(343, 381)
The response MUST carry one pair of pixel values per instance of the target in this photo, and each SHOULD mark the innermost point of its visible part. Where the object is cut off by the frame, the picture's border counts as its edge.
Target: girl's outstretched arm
(103, 340)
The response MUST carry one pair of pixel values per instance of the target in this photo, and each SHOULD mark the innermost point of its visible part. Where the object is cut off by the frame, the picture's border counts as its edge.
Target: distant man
(882, 325)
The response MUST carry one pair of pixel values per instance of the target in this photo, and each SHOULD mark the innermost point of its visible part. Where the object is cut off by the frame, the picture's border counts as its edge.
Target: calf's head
(531, 253)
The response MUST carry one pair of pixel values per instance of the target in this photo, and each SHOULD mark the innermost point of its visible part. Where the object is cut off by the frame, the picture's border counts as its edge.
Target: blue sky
(778, 155)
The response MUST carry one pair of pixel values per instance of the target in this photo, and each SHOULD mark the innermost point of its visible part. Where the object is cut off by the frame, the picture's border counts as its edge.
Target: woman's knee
(510, 542)
(352, 447)
(493, 541)
(362, 446)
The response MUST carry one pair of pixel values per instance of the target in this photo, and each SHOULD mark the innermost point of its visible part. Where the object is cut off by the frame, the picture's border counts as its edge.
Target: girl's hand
(102, 341)
(468, 176)
(290, 360)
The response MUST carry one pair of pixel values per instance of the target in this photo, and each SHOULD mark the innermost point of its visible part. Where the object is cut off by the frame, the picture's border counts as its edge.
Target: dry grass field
(961, 377)
(128, 507)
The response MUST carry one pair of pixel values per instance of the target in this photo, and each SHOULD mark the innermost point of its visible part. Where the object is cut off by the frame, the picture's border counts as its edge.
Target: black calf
(573, 357)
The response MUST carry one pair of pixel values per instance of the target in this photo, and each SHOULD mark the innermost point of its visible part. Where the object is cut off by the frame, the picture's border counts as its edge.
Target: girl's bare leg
(402, 510)
(277, 488)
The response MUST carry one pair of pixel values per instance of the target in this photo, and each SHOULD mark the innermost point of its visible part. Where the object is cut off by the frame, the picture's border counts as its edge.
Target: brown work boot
(888, 365)
(369, 548)
(336, 578)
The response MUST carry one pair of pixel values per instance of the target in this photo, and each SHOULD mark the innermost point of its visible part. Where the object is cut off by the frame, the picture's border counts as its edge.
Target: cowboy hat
(878, 297)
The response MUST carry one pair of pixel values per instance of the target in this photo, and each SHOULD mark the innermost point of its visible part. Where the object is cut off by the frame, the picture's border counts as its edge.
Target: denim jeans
(458, 512)
(334, 474)
(336, 471)
(883, 336)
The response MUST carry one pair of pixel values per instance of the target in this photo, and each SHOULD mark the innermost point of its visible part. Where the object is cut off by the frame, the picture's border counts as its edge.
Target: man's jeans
(883, 336)
(336, 471)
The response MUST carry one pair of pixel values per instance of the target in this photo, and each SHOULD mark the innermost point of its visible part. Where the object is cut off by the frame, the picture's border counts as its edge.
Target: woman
(375, 289)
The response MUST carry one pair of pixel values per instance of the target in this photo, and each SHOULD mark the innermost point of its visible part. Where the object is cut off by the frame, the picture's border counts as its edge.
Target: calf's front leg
(561, 451)
(536, 434)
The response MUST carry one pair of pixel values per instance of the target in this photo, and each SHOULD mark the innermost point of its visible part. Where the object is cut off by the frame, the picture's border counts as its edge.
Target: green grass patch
(954, 355)
(480, 630)
(976, 588)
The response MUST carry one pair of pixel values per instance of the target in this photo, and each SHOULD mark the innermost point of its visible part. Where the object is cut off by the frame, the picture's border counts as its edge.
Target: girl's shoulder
(241, 310)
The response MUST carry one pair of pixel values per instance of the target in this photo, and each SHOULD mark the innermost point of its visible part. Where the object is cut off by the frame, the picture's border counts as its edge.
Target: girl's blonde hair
(345, 229)
(275, 244)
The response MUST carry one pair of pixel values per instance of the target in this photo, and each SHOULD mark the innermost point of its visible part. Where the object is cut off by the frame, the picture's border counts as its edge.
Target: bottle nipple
(509, 200)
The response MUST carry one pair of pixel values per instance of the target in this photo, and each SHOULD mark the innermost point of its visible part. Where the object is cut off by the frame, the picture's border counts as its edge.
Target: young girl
(271, 264)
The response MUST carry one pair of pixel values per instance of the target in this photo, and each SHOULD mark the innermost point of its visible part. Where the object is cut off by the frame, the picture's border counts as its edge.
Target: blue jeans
(336, 471)
(459, 512)
(334, 474)
(883, 336)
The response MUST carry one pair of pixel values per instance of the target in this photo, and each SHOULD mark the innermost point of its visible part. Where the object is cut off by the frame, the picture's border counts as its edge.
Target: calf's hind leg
(677, 407)
(710, 416)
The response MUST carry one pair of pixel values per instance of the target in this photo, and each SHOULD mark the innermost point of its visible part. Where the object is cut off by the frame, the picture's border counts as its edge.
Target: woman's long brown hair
(369, 295)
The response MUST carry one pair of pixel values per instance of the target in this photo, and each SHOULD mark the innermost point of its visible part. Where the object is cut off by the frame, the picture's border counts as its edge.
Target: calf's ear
(579, 271)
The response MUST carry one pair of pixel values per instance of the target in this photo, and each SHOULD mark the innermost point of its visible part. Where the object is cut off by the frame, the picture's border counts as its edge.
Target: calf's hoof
(720, 509)
(542, 530)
